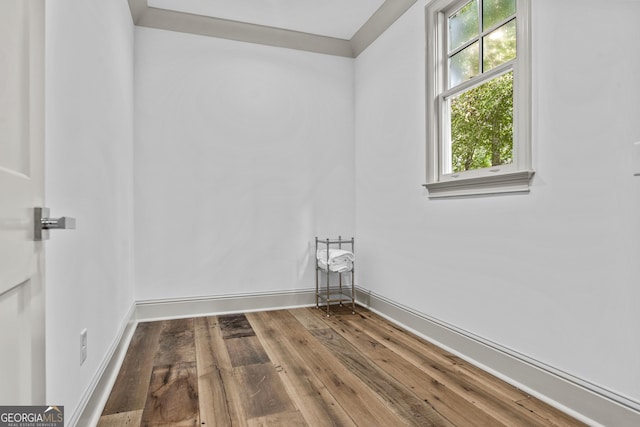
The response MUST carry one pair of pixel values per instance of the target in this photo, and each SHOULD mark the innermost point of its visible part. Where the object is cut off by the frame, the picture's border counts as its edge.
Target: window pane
(494, 11)
(499, 46)
(464, 64)
(482, 125)
(463, 25)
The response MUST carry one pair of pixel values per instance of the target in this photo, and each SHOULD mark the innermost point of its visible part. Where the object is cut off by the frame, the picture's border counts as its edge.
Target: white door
(22, 338)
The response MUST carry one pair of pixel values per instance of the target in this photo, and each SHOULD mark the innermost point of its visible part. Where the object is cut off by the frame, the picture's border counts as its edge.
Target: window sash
(446, 15)
(445, 144)
(444, 120)
(479, 79)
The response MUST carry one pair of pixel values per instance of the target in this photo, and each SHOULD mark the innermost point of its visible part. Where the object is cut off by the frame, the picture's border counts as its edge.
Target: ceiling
(334, 27)
(332, 18)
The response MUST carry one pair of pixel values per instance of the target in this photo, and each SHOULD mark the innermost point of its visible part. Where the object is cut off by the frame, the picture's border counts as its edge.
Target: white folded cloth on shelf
(336, 260)
(337, 268)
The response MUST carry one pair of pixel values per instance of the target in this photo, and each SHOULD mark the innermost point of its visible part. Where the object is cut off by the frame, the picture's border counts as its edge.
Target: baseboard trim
(587, 402)
(149, 310)
(95, 397)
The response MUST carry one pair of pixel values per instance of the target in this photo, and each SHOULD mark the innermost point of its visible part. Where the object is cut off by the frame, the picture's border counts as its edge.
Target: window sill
(513, 182)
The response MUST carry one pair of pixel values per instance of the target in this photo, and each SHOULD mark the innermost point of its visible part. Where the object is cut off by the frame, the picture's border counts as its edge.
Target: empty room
(314, 212)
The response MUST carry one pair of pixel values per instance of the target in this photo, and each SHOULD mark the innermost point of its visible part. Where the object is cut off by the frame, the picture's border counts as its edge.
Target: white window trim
(515, 177)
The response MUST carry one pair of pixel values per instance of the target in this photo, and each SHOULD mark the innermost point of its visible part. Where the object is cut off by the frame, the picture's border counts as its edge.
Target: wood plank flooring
(299, 368)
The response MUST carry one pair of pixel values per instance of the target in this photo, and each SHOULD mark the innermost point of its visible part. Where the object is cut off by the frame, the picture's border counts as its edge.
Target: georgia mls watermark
(31, 416)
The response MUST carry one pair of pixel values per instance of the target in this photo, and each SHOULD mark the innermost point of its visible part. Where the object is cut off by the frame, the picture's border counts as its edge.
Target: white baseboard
(95, 397)
(587, 402)
(210, 305)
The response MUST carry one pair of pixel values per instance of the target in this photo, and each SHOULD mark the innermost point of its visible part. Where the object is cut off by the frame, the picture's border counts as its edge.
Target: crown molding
(387, 14)
(382, 19)
(137, 7)
(242, 31)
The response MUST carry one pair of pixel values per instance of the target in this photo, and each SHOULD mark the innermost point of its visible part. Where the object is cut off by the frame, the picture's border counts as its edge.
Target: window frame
(513, 177)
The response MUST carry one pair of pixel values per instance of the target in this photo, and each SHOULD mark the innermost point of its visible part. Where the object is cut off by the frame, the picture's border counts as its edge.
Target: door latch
(43, 224)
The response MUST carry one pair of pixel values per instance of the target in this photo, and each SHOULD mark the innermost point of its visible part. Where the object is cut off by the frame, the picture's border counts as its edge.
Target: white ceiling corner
(335, 27)
(331, 18)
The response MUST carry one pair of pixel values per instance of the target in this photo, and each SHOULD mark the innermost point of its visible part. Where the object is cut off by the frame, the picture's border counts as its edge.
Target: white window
(478, 97)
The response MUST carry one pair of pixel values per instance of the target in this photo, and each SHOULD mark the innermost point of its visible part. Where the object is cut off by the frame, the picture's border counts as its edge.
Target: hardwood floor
(300, 368)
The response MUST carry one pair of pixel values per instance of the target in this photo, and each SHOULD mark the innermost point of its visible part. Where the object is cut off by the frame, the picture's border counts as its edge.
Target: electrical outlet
(83, 346)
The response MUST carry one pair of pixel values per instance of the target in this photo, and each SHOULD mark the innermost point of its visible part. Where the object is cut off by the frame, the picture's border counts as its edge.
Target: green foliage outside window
(482, 125)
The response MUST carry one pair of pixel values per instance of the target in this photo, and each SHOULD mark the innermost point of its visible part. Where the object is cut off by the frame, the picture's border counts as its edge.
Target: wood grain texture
(308, 318)
(246, 351)
(480, 390)
(235, 326)
(424, 385)
(315, 402)
(428, 384)
(397, 396)
(261, 391)
(176, 343)
(216, 385)
(123, 419)
(173, 396)
(288, 419)
(297, 368)
(135, 372)
(343, 384)
(545, 414)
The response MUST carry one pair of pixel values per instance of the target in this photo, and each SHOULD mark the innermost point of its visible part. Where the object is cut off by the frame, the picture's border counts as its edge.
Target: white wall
(89, 154)
(243, 154)
(553, 274)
